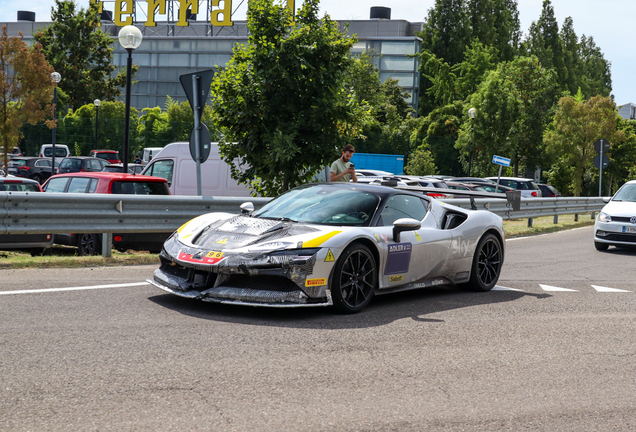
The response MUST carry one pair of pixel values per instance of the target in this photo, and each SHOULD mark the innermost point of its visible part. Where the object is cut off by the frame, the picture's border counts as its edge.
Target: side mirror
(606, 199)
(404, 224)
(247, 207)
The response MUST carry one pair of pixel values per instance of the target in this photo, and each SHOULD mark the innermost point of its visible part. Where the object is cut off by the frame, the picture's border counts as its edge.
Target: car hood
(620, 208)
(219, 232)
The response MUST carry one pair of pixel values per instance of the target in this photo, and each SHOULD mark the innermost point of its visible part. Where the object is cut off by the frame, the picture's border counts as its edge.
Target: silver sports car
(332, 245)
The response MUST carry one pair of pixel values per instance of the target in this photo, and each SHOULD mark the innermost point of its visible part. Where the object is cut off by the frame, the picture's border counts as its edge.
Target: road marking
(502, 288)
(543, 235)
(606, 289)
(73, 288)
(553, 288)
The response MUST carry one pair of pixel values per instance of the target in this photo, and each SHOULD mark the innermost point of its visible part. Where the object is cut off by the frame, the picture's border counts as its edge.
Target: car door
(419, 254)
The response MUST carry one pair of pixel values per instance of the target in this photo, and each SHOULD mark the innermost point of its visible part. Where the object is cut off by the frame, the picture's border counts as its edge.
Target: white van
(61, 151)
(175, 164)
(149, 153)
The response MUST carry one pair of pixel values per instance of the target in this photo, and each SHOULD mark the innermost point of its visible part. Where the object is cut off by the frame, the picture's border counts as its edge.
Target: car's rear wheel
(354, 279)
(88, 244)
(487, 263)
(601, 246)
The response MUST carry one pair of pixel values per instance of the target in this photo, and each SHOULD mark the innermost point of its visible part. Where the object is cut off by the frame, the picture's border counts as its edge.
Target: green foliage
(281, 103)
(513, 108)
(575, 128)
(421, 162)
(82, 53)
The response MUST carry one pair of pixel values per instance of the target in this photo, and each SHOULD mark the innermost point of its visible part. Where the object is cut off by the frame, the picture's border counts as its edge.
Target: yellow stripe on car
(320, 240)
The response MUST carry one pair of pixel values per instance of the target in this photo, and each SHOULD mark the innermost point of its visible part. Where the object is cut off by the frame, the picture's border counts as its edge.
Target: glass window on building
(404, 79)
(397, 63)
(402, 48)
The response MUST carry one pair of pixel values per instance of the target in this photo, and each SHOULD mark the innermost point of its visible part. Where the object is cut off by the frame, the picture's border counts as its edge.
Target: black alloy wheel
(88, 244)
(354, 279)
(487, 264)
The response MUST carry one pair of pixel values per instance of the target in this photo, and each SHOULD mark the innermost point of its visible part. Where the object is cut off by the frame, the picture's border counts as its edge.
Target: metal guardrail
(535, 207)
(44, 213)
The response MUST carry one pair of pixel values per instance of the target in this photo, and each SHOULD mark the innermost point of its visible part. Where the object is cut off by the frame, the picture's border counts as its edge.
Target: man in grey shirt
(342, 170)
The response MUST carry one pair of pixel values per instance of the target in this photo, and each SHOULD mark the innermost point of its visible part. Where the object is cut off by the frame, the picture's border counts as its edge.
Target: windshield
(326, 205)
(107, 155)
(59, 152)
(626, 193)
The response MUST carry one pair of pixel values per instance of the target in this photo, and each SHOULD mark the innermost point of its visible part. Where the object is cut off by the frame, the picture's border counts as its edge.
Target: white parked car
(528, 188)
(373, 173)
(61, 151)
(616, 224)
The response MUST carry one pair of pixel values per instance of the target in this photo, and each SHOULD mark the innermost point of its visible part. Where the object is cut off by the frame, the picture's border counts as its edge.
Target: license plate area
(627, 229)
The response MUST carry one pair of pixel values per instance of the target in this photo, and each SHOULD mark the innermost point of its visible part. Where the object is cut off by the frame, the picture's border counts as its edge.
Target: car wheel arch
(363, 241)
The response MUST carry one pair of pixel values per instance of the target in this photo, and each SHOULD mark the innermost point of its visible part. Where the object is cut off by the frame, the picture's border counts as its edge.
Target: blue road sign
(500, 160)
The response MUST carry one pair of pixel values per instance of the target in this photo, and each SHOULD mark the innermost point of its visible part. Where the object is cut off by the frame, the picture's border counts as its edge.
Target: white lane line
(503, 288)
(607, 289)
(546, 234)
(46, 290)
(553, 288)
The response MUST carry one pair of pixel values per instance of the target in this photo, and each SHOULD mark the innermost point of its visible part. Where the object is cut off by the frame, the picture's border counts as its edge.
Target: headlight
(295, 256)
(271, 246)
(604, 217)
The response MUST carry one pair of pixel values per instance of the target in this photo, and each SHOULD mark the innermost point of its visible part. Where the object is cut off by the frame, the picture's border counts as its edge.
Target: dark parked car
(109, 183)
(34, 168)
(34, 243)
(74, 164)
(549, 191)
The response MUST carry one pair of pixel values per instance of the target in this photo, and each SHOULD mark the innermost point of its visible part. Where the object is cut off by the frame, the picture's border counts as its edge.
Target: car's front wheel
(487, 263)
(354, 279)
(601, 246)
(88, 244)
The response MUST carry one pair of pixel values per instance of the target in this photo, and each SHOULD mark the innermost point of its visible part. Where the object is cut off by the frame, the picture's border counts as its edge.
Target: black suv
(34, 168)
(73, 164)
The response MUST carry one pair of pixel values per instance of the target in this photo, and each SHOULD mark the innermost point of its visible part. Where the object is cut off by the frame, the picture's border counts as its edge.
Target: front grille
(626, 219)
(264, 283)
(628, 238)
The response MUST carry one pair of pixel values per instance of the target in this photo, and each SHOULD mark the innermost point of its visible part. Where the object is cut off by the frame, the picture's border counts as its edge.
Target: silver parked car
(528, 187)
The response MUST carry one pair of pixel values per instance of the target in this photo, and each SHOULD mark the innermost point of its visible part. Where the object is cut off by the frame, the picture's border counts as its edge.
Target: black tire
(487, 264)
(88, 244)
(354, 279)
(601, 246)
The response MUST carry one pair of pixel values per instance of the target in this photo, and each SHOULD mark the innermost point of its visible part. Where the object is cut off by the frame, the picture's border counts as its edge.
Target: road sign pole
(498, 178)
(197, 130)
(600, 177)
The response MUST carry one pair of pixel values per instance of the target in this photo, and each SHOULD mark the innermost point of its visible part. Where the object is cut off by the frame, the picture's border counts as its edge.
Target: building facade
(169, 50)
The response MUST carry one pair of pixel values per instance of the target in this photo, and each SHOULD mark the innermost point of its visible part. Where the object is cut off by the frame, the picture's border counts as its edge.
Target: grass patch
(66, 257)
(545, 224)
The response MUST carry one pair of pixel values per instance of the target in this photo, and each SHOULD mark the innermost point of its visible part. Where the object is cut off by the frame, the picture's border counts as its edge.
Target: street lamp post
(471, 113)
(97, 103)
(130, 38)
(56, 78)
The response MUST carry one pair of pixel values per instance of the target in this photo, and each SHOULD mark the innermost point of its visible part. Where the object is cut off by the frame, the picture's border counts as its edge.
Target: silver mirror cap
(247, 207)
(407, 224)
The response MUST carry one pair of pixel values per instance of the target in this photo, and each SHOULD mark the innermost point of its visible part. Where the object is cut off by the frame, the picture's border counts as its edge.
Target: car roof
(114, 176)
(80, 157)
(16, 179)
(512, 178)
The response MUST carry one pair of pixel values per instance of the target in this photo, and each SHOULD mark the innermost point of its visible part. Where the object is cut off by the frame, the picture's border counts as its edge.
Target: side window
(78, 184)
(402, 206)
(162, 168)
(43, 163)
(508, 183)
(95, 165)
(56, 184)
(92, 186)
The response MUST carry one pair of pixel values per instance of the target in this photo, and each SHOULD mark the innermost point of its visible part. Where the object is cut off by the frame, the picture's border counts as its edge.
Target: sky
(609, 22)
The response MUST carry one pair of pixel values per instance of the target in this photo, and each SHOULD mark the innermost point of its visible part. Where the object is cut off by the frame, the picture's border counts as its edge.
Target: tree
(26, 88)
(576, 126)
(421, 162)
(495, 23)
(281, 103)
(82, 53)
(513, 107)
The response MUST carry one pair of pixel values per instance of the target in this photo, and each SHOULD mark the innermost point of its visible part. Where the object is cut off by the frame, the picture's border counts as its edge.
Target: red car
(112, 156)
(109, 183)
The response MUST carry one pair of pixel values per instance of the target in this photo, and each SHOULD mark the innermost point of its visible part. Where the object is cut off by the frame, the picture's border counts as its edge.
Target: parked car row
(528, 187)
(87, 182)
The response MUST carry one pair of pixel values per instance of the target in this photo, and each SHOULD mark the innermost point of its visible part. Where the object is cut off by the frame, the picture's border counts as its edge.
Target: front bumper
(254, 279)
(613, 233)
